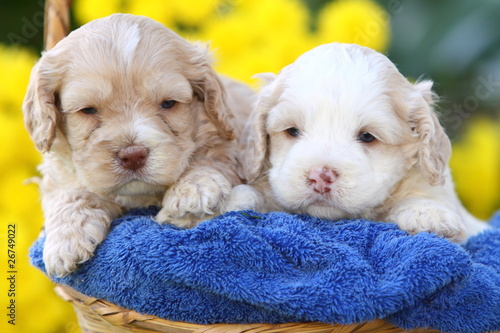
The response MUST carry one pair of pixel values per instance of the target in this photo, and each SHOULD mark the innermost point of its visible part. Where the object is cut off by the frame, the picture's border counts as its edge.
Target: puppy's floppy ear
(41, 114)
(254, 138)
(208, 87)
(435, 147)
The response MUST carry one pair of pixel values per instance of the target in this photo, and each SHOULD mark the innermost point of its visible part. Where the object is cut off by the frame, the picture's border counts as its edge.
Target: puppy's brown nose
(321, 179)
(133, 157)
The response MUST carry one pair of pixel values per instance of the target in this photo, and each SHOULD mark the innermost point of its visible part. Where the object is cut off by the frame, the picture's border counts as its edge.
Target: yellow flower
(18, 198)
(258, 36)
(361, 22)
(158, 10)
(88, 10)
(15, 143)
(15, 64)
(475, 164)
(20, 206)
(194, 12)
(252, 36)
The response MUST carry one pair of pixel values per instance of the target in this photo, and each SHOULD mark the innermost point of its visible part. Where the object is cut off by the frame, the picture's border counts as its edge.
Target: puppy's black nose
(133, 157)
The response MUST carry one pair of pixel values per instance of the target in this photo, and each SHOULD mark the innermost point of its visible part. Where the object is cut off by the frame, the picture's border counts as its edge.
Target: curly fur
(125, 66)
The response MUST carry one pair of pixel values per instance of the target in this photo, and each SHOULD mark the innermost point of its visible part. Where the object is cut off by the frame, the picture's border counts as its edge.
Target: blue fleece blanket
(246, 267)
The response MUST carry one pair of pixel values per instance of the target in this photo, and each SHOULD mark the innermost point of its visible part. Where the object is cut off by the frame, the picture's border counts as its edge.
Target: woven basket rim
(130, 320)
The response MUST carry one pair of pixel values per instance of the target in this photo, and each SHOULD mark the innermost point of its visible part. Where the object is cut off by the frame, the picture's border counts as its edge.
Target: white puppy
(341, 133)
(128, 114)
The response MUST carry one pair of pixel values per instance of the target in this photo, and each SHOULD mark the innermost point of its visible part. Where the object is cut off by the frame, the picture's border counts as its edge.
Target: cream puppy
(341, 133)
(128, 114)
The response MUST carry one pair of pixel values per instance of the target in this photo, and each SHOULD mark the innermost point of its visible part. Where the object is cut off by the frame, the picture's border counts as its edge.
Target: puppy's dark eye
(168, 104)
(89, 110)
(366, 137)
(292, 131)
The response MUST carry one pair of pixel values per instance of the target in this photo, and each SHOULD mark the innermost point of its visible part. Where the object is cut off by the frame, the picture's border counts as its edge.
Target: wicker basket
(99, 316)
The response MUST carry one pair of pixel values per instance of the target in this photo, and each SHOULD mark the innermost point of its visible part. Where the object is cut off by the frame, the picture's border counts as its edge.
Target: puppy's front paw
(193, 198)
(244, 197)
(426, 215)
(70, 245)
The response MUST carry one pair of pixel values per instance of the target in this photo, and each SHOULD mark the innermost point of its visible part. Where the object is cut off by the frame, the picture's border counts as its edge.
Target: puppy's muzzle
(321, 180)
(133, 157)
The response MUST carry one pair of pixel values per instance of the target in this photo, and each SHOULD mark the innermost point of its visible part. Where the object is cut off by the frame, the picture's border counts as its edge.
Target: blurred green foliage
(20, 22)
(456, 44)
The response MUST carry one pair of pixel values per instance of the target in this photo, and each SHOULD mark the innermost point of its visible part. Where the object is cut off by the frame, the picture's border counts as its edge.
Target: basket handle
(56, 21)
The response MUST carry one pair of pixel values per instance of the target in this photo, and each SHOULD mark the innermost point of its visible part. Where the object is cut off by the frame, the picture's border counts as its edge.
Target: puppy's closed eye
(293, 132)
(168, 104)
(89, 110)
(366, 137)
